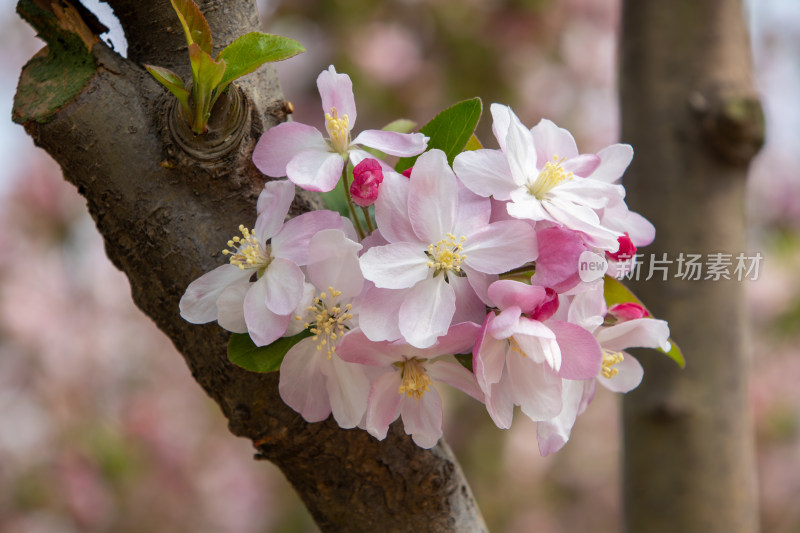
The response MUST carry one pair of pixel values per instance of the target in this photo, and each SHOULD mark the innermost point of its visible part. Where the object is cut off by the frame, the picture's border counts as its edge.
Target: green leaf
(195, 25)
(401, 125)
(473, 144)
(617, 293)
(251, 50)
(173, 82)
(449, 131)
(207, 73)
(242, 351)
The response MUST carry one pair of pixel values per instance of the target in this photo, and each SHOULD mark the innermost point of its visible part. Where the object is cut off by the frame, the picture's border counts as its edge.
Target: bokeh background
(102, 428)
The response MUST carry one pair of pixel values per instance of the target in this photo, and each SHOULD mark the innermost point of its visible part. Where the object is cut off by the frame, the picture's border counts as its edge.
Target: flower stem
(350, 205)
(370, 227)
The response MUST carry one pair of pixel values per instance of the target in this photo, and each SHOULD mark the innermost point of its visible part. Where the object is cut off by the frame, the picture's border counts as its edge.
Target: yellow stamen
(330, 320)
(610, 359)
(515, 347)
(338, 130)
(551, 175)
(415, 380)
(445, 255)
(246, 251)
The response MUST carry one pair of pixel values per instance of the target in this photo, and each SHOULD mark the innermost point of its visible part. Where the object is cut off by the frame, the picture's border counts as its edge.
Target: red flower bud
(367, 177)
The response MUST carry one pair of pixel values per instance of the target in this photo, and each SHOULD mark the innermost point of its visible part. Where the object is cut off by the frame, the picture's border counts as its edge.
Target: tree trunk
(166, 203)
(691, 114)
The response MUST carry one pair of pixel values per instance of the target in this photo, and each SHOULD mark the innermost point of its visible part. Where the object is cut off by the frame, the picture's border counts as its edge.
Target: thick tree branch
(165, 216)
(691, 113)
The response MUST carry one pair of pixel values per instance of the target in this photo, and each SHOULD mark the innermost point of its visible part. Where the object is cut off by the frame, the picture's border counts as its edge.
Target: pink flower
(315, 163)
(274, 252)
(367, 177)
(522, 354)
(406, 385)
(442, 253)
(314, 380)
(542, 176)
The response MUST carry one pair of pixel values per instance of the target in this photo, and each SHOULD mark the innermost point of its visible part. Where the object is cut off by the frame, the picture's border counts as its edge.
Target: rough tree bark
(165, 204)
(690, 111)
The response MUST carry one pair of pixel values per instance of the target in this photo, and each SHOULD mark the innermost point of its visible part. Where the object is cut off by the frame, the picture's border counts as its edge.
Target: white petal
(273, 205)
(638, 333)
(422, 418)
(391, 209)
(230, 307)
(392, 142)
(614, 160)
(315, 170)
(554, 433)
(395, 266)
(198, 304)
(284, 281)
(378, 313)
(432, 197)
(535, 388)
(384, 404)
(553, 141)
(485, 172)
(427, 312)
(302, 383)
(291, 241)
(348, 389)
(500, 247)
(456, 376)
(279, 144)
(265, 327)
(629, 375)
(336, 92)
(333, 262)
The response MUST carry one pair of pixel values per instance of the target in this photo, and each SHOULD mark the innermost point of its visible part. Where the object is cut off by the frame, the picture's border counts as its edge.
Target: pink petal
(505, 324)
(427, 312)
(230, 307)
(279, 144)
(584, 220)
(336, 92)
(302, 382)
(639, 333)
(456, 376)
(391, 209)
(348, 389)
(284, 281)
(480, 283)
(535, 388)
(315, 170)
(538, 343)
(581, 356)
(458, 339)
(469, 308)
(582, 165)
(557, 264)
(500, 247)
(553, 141)
(432, 197)
(383, 406)
(198, 304)
(472, 212)
(395, 266)
(488, 357)
(554, 433)
(508, 293)
(392, 142)
(355, 347)
(333, 263)
(500, 403)
(265, 327)
(629, 375)
(485, 172)
(614, 160)
(422, 418)
(273, 205)
(589, 193)
(378, 313)
(291, 241)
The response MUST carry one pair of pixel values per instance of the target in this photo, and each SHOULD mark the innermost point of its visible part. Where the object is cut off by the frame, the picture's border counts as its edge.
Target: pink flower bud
(367, 177)
(407, 172)
(547, 307)
(627, 311)
(626, 249)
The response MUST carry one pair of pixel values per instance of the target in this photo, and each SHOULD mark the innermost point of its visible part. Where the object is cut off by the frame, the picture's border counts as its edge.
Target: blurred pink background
(102, 428)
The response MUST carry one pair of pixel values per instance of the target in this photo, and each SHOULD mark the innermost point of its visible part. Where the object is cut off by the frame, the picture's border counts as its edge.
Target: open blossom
(406, 385)
(315, 163)
(522, 355)
(620, 371)
(314, 380)
(442, 253)
(367, 178)
(541, 175)
(273, 252)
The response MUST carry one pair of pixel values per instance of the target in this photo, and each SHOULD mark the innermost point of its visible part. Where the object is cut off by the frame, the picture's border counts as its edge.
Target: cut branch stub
(230, 119)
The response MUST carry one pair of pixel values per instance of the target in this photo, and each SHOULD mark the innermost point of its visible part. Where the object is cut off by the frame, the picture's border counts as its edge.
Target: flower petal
(291, 241)
(336, 92)
(333, 262)
(456, 376)
(485, 172)
(284, 281)
(639, 333)
(554, 433)
(391, 209)
(629, 375)
(422, 418)
(488, 357)
(279, 144)
(507, 293)
(392, 142)
(581, 355)
(378, 313)
(500, 403)
(552, 141)
(395, 266)
(355, 347)
(614, 160)
(427, 312)
(315, 170)
(469, 307)
(432, 197)
(383, 406)
(265, 327)
(535, 388)
(302, 382)
(230, 307)
(198, 304)
(348, 389)
(500, 247)
(273, 206)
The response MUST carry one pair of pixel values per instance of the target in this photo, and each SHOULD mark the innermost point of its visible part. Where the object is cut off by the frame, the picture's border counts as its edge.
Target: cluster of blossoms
(480, 258)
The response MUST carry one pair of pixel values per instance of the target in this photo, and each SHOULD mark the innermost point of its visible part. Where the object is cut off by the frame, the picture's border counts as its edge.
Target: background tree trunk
(165, 204)
(690, 111)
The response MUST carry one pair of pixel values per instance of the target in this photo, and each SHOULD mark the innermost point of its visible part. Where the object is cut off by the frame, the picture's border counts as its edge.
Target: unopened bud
(367, 177)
